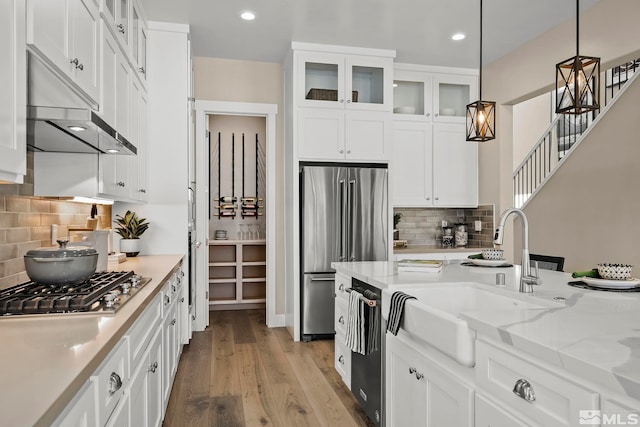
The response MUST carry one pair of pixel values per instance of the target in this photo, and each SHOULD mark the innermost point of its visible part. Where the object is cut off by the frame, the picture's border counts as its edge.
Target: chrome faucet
(526, 278)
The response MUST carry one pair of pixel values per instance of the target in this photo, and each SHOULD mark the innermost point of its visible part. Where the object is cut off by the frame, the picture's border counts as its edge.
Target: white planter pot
(130, 247)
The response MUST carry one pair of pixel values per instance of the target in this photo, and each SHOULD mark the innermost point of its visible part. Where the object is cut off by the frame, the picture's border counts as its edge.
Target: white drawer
(340, 321)
(489, 414)
(557, 401)
(343, 361)
(142, 331)
(342, 282)
(111, 380)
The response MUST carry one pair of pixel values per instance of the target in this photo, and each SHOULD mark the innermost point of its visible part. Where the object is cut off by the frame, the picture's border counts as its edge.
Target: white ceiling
(419, 30)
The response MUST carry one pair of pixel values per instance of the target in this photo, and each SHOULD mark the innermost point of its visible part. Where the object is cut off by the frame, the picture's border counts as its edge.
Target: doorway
(239, 271)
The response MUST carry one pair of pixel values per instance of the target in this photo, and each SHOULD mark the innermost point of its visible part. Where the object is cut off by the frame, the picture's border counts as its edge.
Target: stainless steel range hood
(73, 130)
(61, 119)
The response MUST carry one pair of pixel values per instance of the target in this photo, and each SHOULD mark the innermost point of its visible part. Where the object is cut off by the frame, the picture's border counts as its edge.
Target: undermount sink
(435, 315)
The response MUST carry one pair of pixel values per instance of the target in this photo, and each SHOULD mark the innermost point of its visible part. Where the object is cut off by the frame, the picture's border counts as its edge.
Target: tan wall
(608, 30)
(25, 224)
(258, 82)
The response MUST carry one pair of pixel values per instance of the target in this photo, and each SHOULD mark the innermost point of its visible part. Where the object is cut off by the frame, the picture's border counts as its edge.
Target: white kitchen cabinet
(66, 34)
(137, 171)
(432, 94)
(433, 165)
(171, 326)
(555, 399)
(13, 93)
(420, 392)
(121, 415)
(455, 167)
(342, 102)
(325, 134)
(81, 412)
(145, 391)
(489, 414)
(344, 81)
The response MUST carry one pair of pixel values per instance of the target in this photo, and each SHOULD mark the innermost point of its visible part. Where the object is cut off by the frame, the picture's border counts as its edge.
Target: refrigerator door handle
(322, 279)
(343, 221)
(351, 196)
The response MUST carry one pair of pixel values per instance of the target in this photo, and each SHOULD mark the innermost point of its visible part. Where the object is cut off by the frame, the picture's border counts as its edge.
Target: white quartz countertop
(595, 336)
(47, 359)
(432, 249)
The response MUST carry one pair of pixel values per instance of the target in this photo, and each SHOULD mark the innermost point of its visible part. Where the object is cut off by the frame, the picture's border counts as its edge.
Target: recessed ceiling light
(76, 128)
(248, 15)
(458, 36)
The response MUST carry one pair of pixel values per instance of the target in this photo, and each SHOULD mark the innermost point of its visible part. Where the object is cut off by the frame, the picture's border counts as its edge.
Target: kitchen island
(47, 359)
(581, 352)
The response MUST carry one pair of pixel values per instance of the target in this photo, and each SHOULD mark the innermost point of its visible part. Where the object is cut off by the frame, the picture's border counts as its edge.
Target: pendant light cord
(577, 27)
(480, 73)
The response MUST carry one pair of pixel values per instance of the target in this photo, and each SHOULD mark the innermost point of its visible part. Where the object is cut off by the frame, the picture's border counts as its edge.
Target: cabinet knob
(341, 151)
(142, 190)
(75, 62)
(437, 198)
(428, 198)
(342, 100)
(153, 367)
(115, 383)
(524, 389)
(419, 376)
(348, 101)
(341, 320)
(348, 151)
(341, 359)
(341, 287)
(121, 184)
(436, 114)
(428, 114)
(142, 70)
(182, 299)
(173, 322)
(121, 28)
(412, 370)
(167, 300)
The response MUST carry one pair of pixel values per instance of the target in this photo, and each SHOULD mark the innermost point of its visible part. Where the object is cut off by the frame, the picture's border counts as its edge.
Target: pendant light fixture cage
(578, 80)
(481, 115)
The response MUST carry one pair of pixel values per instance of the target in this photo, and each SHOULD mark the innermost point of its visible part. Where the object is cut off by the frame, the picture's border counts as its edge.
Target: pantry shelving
(237, 273)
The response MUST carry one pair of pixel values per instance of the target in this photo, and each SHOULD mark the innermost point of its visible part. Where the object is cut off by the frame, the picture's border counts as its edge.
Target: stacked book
(420, 265)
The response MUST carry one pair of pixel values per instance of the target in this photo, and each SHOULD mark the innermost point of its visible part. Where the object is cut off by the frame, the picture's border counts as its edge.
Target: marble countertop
(46, 359)
(595, 336)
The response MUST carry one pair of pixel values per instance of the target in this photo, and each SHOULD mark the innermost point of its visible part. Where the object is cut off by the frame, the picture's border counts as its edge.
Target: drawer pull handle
(341, 320)
(524, 389)
(412, 370)
(419, 376)
(153, 367)
(115, 383)
(341, 359)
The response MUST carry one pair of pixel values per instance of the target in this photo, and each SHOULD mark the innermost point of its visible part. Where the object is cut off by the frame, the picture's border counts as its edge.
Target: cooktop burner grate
(38, 298)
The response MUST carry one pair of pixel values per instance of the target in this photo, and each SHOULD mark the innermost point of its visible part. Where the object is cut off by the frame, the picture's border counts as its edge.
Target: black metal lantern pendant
(481, 115)
(578, 80)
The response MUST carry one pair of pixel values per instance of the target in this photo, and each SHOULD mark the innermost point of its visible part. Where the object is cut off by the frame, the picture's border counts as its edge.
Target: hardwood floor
(240, 373)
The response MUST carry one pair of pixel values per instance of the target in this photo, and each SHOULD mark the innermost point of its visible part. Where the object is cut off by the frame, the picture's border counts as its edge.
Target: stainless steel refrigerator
(344, 217)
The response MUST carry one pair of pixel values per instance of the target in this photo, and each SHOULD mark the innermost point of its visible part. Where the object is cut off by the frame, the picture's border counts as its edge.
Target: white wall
(530, 119)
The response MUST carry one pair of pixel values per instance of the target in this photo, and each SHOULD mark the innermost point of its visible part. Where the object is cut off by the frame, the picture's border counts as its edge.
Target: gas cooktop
(104, 293)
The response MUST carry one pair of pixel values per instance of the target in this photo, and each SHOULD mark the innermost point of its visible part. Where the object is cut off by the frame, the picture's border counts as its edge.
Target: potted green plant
(130, 227)
(396, 220)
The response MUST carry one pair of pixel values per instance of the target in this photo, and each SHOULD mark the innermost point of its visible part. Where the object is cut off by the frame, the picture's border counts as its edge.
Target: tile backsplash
(423, 226)
(25, 224)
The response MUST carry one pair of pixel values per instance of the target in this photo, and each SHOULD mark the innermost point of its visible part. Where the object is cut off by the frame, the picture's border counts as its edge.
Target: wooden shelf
(237, 274)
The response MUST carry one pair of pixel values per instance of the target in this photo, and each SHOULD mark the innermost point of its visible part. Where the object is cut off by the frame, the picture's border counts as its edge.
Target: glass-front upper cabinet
(452, 93)
(116, 15)
(426, 96)
(138, 42)
(344, 81)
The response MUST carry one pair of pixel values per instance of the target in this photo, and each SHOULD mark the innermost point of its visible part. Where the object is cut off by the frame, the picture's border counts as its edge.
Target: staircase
(563, 134)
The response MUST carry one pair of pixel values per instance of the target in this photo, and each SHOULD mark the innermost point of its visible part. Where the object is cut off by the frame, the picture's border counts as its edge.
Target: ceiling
(419, 30)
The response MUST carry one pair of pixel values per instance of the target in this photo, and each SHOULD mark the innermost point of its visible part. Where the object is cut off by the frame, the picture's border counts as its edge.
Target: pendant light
(481, 115)
(578, 80)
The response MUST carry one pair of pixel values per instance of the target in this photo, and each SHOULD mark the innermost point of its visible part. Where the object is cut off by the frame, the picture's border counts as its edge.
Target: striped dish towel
(355, 324)
(396, 311)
